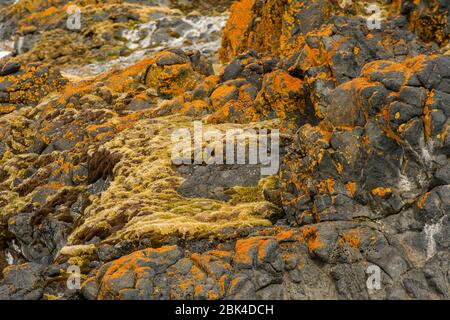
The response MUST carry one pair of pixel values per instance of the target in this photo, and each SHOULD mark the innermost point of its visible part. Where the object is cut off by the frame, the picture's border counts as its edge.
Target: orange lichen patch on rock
(7, 108)
(348, 111)
(224, 255)
(171, 80)
(357, 84)
(50, 15)
(290, 235)
(118, 269)
(407, 67)
(281, 96)
(352, 237)
(427, 18)
(422, 199)
(264, 249)
(433, 27)
(289, 16)
(196, 108)
(128, 121)
(62, 166)
(427, 114)
(236, 31)
(118, 80)
(387, 129)
(235, 111)
(351, 187)
(122, 80)
(207, 86)
(312, 238)
(28, 6)
(54, 11)
(254, 250)
(168, 80)
(269, 27)
(31, 83)
(314, 57)
(222, 94)
(129, 271)
(73, 88)
(382, 192)
(427, 121)
(326, 186)
(283, 82)
(246, 250)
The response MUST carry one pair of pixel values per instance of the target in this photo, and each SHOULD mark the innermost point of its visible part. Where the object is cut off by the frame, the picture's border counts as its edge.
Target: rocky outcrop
(430, 19)
(379, 147)
(22, 86)
(87, 180)
(280, 26)
(275, 263)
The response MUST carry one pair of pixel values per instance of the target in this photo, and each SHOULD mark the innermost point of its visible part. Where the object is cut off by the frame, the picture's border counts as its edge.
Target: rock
(350, 281)
(23, 281)
(28, 30)
(172, 75)
(89, 289)
(29, 84)
(87, 177)
(170, 58)
(214, 181)
(257, 271)
(9, 68)
(339, 185)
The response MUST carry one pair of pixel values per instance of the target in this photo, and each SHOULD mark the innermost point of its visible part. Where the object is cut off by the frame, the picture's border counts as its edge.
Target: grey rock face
(213, 181)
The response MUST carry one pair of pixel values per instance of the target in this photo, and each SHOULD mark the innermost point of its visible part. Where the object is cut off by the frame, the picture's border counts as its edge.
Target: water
(6, 46)
(202, 33)
(9, 258)
(102, 67)
(4, 54)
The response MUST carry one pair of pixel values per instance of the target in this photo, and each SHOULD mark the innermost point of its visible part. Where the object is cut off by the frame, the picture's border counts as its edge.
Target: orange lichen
(382, 192)
(422, 199)
(244, 250)
(326, 186)
(195, 108)
(353, 238)
(236, 29)
(351, 187)
(312, 238)
(222, 94)
(427, 114)
(287, 236)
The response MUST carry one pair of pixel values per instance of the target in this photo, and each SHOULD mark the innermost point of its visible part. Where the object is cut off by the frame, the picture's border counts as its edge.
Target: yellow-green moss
(144, 191)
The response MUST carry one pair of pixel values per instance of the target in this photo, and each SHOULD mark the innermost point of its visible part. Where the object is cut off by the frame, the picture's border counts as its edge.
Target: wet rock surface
(87, 180)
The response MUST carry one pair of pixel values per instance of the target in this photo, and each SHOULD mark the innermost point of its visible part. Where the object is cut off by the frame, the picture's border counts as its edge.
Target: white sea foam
(9, 258)
(200, 33)
(4, 54)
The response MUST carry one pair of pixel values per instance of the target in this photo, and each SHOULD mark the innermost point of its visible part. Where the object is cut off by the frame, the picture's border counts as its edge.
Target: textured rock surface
(86, 177)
